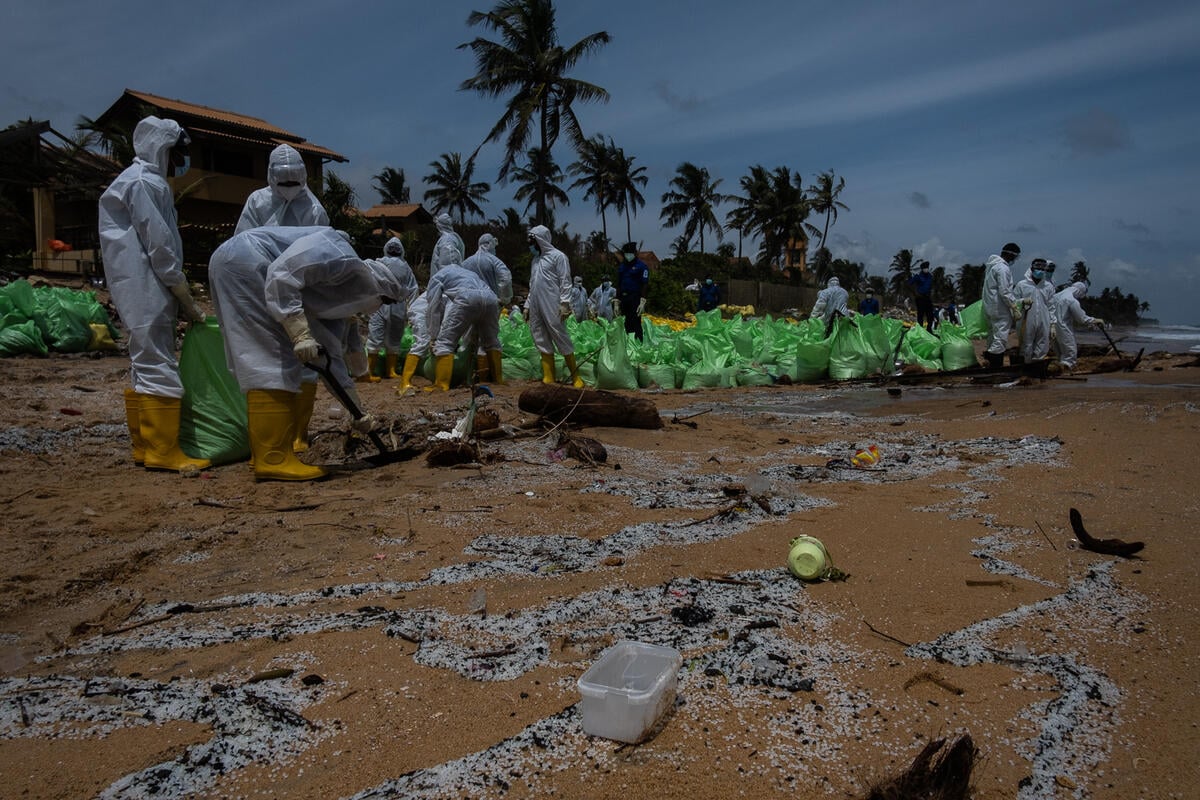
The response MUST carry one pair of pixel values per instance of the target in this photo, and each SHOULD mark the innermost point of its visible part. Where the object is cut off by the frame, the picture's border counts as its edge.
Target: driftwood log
(589, 407)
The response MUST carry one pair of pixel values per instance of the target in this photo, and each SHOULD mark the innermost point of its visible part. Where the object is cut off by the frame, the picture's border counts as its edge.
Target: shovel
(1111, 343)
(384, 456)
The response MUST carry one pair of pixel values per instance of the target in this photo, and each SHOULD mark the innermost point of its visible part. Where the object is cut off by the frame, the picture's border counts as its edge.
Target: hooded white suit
(487, 265)
(449, 248)
(602, 299)
(549, 291)
(1070, 313)
(283, 205)
(143, 257)
(265, 275)
(386, 327)
(458, 300)
(831, 299)
(999, 303)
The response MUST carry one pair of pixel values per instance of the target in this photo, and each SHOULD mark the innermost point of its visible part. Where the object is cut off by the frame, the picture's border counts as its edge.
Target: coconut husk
(939, 772)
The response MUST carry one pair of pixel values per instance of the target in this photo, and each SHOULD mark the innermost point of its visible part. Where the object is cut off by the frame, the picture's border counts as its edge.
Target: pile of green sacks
(34, 321)
(716, 352)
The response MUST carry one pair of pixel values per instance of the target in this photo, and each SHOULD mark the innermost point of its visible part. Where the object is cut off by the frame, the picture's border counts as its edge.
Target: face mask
(179, 170)
(708, 283)
(1038, 274)
(289, 193)
(533, 248)
(630, 257)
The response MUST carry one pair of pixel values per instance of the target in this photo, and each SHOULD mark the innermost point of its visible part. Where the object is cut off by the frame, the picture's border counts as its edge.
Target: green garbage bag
(753, 375)
(958, 351)
(21, 295)
(212, 419)
(711, 369)
(64, 326)
(923, 348)
(812, 350)
(849, 356)
(973, 321)
(613, 368)
(21, 338)
(656, 375)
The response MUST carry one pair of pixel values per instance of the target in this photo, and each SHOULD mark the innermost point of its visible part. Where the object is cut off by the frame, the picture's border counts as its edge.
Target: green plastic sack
(21, 295)
(922, 347)
(849, 356)
(958, 352)
(212, 420)
(747, 375)
(973, 321)
(613, 369)
(64, 326)
(661, 376)
(21, 338)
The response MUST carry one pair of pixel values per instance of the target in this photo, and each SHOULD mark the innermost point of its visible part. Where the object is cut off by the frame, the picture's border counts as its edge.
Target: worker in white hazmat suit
(1000, 304)
(831, 300)
(417, 318)
(143, 264)
(282, 294)
(549, 303)
(1069, 314)
(386, 327)
(459, 301)
(449, 248)
(601, 301)
(579, 299)
(286, 199)
(487, 265)
(495, 273)
(1035, 327)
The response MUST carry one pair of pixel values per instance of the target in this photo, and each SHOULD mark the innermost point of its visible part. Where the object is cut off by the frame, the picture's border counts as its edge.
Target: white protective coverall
(549, 294)
(602, 299)
(266, 275)
(1070, 313)
(418, 318)
(999, 303)
(1035, 326)
(579, 299)
(487, 265)
(458, 300)
(831, 299)
(283, 205)
(143, 258)
(386, 327)
(449, 248)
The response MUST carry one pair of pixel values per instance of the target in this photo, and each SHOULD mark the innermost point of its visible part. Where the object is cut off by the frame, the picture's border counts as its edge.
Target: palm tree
(392, 186)
(625, 182)
(692, 202)
(1079, 273)
(970, 282)
(823, 199)
(530, 66)
(774, 206)
(901, 268)
(593, 173)
(540, 177)
(453, 189)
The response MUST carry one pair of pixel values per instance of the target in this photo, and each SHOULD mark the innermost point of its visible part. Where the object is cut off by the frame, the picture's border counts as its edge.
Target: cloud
(919, 199)
(1151, 245)
(936, 253)
(676, 101)
(1095, 132)
(1025, 228)
(1131, 227)
(1121, 270)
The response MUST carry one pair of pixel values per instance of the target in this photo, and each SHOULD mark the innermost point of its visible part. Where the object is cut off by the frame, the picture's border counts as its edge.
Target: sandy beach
(409, 631)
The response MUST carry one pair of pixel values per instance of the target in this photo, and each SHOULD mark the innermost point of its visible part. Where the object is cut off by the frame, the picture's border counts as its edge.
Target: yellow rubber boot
(133, 418)
(305, 399)
(410, 369)
(443, 368)
(495, 366)
(389, 366)
(576, 381)
(547, 367)
(372, 364)
(272, 427)
(159, 423)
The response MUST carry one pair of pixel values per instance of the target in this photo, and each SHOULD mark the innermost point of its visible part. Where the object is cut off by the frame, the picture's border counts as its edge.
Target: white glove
(363, 424)
(187, 303)
(641, 306)
(1099, 323)
(616, 307)
(303, 344)
(1053, 333)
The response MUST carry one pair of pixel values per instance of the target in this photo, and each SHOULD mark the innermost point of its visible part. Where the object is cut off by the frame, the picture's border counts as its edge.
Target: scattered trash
(1110, 547)
(866, 457)
(808, 560)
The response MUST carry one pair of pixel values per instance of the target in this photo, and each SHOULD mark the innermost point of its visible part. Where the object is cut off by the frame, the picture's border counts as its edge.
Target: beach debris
(935, 679)
(1109, 547)
(581, 448)
(939, 771)
(866, 457)
(451, 453)
(686, 420)
(589, 407)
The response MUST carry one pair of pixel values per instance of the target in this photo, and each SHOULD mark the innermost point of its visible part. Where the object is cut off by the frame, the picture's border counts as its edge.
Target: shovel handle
(342, 395)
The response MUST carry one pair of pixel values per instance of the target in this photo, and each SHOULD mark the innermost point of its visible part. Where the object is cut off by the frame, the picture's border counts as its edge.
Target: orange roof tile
(396, 210)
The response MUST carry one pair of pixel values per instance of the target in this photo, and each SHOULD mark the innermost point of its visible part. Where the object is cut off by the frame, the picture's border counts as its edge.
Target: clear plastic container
(629, 687)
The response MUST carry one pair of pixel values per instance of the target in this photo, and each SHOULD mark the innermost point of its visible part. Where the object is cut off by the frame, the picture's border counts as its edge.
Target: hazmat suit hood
(1079, 289)
(153, 139)
(444, 223)
(389, 285)
(394, 247)
(487, 243)
(541, 235)
(834, 282)
(286, 165)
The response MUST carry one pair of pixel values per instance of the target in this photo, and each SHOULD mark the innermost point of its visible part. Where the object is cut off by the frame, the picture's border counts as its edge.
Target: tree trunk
(589, 407)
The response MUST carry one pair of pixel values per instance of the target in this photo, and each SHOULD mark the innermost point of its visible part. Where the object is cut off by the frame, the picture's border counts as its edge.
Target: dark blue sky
(1071, 127)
